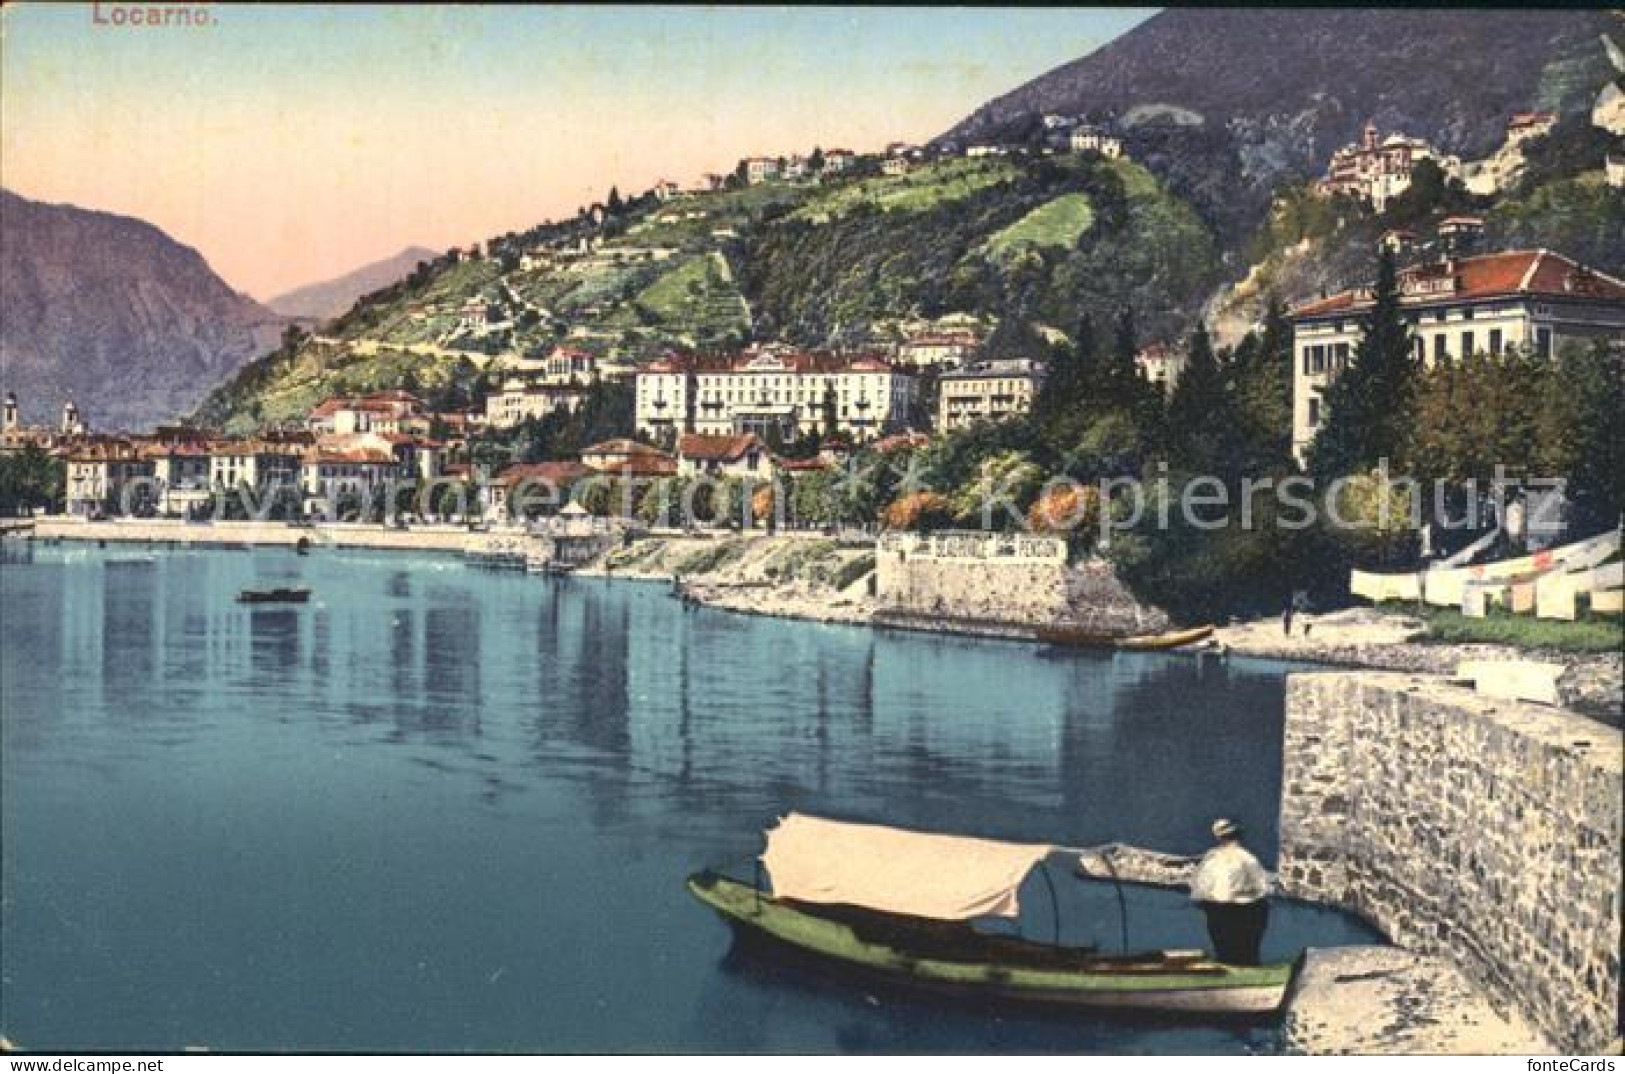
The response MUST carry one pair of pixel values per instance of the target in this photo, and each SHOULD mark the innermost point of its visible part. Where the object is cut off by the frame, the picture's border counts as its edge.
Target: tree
(1262, 379)
(30, 479)
(831, 417)
(1368, 406)
(1064, 399)
(613, 205)
(920, 511)
(1201, 420)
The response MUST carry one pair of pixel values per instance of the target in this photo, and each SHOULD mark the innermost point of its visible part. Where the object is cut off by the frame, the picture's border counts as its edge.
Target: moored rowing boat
(1135, 643)
(1155, 981)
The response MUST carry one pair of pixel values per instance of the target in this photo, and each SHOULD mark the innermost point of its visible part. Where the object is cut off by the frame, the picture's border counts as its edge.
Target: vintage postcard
(587, 530)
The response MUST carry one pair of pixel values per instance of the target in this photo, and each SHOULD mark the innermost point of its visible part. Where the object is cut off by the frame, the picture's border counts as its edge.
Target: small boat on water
(897, 906)
(1086, 639)
(281, 595)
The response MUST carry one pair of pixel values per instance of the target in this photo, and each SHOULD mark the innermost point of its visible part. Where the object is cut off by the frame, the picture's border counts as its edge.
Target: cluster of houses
(1379, 167)
(349, 449)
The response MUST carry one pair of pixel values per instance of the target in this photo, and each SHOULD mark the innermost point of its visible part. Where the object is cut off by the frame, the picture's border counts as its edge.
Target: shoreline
(760, 574)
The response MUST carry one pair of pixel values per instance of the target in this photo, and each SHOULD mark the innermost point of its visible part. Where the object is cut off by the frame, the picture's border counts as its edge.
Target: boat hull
(1138, 643)
(1177, 988)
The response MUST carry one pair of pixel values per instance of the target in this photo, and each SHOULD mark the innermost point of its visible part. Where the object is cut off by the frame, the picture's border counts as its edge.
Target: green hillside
(1045, 238)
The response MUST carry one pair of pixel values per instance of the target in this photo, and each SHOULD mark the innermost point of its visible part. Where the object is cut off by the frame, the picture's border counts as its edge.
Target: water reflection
(436, 772)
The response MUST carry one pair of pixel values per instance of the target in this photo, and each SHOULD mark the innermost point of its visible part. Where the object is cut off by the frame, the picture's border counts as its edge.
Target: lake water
(449, 809)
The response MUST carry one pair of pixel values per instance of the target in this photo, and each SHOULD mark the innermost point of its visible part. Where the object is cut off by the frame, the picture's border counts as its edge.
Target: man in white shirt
(1231, 888)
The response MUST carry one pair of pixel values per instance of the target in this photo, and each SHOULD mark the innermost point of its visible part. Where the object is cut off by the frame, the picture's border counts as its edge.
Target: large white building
(1474, 305)
(1375, 169)
(987, 391)
(773, 391)
(520, 400)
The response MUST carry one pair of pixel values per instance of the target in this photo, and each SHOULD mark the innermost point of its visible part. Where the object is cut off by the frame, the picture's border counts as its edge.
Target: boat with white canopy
(903, 906)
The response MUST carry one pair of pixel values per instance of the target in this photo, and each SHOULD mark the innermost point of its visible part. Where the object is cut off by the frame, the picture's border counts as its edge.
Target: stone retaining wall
(1006, 578)
(1484, 830)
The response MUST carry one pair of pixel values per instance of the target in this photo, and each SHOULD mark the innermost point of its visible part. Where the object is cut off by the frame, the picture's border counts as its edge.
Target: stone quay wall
(339, 535)
(1483, 830)
(1004, 578)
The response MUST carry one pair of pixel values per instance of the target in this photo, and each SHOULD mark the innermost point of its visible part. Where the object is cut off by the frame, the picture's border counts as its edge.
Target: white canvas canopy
(948, 877)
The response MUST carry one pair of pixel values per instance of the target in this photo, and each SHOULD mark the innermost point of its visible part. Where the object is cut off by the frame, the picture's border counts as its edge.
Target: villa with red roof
(773, 391)
(1534, 299)
(742, 455)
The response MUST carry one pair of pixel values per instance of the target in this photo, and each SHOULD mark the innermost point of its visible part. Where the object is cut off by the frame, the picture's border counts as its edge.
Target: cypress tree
(1200, 419)
(1368, 405)
(1064, 396)
(1263, 383)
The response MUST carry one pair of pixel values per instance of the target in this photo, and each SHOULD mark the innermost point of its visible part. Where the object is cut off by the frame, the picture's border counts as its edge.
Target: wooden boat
(281, 595)
(1087, 639)
(938, 954)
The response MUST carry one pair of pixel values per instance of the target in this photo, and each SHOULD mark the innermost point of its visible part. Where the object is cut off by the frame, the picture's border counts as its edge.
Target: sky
(290, 144)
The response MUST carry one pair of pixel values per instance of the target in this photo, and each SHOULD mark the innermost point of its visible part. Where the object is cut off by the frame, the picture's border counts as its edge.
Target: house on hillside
(838, 160)
(1093, 139)
(1376, 169)
(761, 169)
(987, 391)
(1533, 299)
(628, 458)
(519, 400)
(742, 455)
(1161, 364)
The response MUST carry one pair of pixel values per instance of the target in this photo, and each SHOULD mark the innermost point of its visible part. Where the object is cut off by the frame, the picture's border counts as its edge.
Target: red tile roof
(1517, 272)
(556, 473)
(622, 447)
(716, 448)
(641, 466)
(772, 361)
(900, 442)
(358, 456)
(805, 465)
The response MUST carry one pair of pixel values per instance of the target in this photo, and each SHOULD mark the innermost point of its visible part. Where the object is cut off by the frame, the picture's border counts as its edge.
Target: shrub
(920, 511)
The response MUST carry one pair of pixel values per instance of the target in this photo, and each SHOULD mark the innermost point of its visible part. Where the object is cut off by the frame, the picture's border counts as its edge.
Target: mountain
(1224, 115)
(329, 298)
(1223, 103)
(115, 314)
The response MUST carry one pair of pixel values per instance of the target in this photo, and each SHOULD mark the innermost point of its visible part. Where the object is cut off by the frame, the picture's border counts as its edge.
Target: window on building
(1314, 412)
(1495, 341)
(1441, 350)
(1438, 315)
(1467, 347)
(1543, 342)
(1421, 349)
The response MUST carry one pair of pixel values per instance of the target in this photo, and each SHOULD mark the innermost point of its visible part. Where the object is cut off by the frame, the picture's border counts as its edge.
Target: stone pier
(1481, 830)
